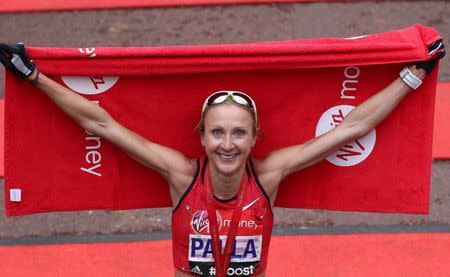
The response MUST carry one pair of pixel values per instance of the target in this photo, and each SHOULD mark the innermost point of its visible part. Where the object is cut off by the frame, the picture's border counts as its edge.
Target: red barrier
(441, 135)
(2, 137)
(52, 5)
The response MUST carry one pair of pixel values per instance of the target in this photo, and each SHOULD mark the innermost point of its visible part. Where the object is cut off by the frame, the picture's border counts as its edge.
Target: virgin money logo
(89, 85)
(200, 222)
(353, 152)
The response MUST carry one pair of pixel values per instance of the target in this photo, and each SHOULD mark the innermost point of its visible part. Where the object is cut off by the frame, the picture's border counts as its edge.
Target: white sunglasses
(238, 97)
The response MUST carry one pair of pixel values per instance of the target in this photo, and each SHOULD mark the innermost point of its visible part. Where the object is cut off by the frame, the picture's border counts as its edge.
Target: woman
(224, 193)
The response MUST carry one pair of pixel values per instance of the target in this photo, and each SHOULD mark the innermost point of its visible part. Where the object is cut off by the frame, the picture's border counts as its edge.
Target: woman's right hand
(15, 59)
(437, 47)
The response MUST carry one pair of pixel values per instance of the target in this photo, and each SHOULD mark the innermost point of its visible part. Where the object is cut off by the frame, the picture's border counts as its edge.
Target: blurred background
(222, 24)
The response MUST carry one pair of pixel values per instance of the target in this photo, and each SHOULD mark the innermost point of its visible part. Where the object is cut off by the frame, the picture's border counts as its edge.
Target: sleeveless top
(192, 251)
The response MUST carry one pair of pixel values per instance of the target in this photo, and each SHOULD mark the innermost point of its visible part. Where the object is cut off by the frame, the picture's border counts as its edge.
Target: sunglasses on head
(237, 97)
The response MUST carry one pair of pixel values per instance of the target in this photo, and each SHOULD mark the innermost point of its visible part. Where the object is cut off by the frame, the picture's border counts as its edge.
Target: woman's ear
(255, 136)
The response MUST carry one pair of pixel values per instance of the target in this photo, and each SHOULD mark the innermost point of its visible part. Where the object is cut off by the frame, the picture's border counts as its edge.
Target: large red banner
(302, 89)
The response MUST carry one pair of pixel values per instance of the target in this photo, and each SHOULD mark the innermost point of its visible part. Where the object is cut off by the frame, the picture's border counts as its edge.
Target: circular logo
(353, 152)
(89, 85)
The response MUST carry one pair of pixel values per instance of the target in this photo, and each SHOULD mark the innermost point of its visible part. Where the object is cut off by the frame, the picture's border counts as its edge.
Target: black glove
(438, 46)
(15, 59)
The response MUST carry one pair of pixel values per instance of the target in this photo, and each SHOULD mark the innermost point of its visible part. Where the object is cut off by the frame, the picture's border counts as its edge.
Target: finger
(5, 54)
(22, 51)
(4, 60)
(6, 49)
(14, 49)
(3, 46)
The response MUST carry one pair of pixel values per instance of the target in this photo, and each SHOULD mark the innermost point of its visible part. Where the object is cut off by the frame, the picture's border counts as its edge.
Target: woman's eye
(240, 132)
(216, 132)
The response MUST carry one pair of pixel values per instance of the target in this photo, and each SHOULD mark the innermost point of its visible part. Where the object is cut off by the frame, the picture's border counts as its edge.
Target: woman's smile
(227, 157)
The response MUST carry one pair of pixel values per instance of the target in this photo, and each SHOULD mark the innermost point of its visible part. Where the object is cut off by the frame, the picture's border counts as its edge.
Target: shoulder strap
(203, 163)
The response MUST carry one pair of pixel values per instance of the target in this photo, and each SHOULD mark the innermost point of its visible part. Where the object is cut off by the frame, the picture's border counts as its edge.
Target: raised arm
(359, 122)
(171, 164)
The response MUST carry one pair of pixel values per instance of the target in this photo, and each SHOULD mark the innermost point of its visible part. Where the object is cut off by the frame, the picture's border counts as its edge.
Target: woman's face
(228, 137)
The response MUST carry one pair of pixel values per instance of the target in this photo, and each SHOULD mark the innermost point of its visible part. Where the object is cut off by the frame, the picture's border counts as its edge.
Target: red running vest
(192, 251)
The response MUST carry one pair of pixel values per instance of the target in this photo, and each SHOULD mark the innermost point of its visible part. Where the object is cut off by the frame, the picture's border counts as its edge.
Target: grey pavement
(278, 231)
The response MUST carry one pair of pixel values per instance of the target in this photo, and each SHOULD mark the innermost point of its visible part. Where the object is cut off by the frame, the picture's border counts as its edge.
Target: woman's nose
(227, 143)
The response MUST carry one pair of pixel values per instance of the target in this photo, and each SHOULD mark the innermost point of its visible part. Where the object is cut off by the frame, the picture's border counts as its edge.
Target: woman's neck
(225, 187)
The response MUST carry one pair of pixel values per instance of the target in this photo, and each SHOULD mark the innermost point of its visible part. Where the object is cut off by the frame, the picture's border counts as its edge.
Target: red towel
(52, 164)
